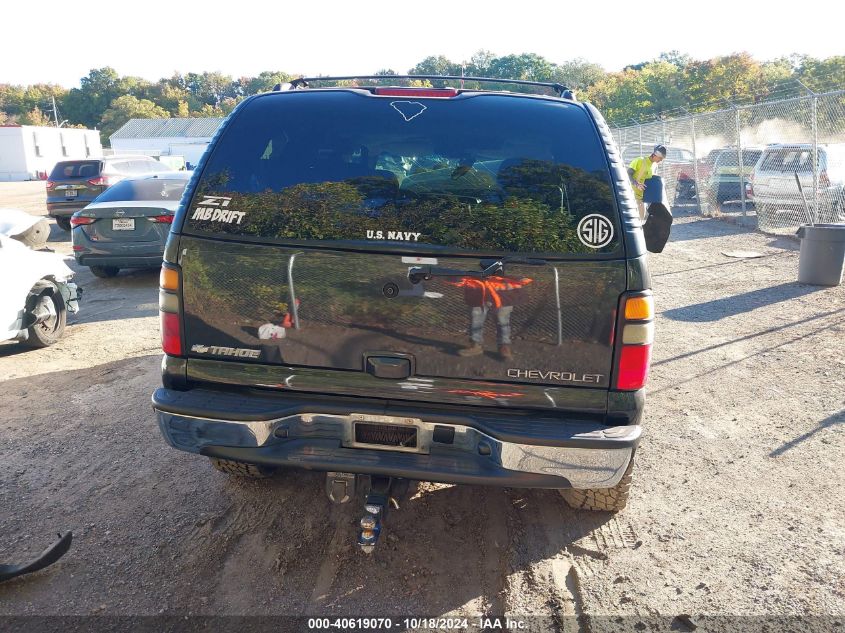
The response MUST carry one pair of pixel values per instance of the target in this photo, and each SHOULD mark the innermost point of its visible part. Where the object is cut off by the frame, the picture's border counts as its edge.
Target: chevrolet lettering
(561, 376)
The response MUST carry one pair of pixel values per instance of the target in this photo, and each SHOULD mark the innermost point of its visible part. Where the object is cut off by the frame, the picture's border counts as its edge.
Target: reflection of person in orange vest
(500, 294)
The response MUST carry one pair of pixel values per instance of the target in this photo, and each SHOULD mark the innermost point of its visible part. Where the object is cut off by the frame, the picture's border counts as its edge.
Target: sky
(155, 38)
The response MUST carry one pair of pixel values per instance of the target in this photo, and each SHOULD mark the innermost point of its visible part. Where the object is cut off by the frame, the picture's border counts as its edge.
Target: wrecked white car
(36, 291)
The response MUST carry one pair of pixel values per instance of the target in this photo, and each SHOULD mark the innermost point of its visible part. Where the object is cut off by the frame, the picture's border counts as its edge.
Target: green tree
(577, 73)
(438, 65)
(526, 66)
(480, 62)
(210, 88)
(128, 107)
(821, 75)
(731, 78)
(35, 117)
(87, 103)
(264, 82)
(620, 96)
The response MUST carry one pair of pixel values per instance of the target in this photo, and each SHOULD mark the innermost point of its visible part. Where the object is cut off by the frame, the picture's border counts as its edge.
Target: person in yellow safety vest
(640, 170)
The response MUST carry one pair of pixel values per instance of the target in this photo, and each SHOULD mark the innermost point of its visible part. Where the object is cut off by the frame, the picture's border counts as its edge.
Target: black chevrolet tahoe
(435, 284)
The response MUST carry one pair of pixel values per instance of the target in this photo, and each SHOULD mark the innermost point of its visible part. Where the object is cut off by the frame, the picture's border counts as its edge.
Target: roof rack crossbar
(302, 82)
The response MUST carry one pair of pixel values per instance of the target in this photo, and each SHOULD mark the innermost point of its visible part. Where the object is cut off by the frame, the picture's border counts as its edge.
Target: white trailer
(28, 151)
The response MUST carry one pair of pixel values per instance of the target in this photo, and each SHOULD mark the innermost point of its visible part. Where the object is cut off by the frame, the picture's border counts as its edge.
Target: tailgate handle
(395, 367)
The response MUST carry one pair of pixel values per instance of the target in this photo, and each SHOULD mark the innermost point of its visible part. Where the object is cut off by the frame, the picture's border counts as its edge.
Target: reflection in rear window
(75, 169)
(147, 189)
(491, 173)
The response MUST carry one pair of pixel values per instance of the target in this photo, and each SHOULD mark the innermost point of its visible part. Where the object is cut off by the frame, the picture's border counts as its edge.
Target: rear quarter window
(474, 173)
(118, 167)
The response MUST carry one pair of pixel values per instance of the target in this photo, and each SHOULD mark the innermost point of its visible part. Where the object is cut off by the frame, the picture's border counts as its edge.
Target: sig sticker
(595, 231)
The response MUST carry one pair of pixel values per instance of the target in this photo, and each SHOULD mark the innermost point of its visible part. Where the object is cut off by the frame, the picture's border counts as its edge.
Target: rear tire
(105, 272)
(48, 332)
(242, 469)
(63, 223)
(601, 499)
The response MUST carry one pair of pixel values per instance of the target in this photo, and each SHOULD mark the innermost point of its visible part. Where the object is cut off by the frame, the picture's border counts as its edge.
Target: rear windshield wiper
(489, 267)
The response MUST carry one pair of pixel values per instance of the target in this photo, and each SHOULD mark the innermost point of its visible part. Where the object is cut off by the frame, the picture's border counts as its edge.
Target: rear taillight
(168, 305)
(78, 220)
(637, 336)
(162, 219)
(416, 92)
(50, 185)
(824, 180)
(101, 181)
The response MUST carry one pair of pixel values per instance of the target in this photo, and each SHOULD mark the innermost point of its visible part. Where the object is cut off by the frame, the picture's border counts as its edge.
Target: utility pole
(55, 111)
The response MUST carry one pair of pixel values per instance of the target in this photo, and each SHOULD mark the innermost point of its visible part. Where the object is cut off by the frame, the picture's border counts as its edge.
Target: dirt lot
(736, 509)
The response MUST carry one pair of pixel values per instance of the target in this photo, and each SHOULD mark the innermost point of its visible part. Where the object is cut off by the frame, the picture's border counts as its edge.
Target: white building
(166, 137)
(27, 151)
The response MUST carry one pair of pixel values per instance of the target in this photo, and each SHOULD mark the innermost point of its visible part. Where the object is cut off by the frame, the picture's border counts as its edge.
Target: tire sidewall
(37, 335)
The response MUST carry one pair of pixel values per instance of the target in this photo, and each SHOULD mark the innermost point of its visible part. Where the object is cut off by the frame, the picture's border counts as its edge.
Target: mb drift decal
(226, 351)
(213, 208)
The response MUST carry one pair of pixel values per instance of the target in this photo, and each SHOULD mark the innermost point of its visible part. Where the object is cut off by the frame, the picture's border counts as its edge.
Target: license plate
(123, 224)
(387, 433)
(70, 193)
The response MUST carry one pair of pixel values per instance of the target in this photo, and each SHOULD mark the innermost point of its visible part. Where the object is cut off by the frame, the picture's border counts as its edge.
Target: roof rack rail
(302, 82)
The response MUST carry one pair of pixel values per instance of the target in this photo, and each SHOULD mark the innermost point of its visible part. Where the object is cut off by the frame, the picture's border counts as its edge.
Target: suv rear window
(75, 169)
(787, 160)
(730, 158)
(477, 173)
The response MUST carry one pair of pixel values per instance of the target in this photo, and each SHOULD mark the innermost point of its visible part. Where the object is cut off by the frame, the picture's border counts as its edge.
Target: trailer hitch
(384, 492)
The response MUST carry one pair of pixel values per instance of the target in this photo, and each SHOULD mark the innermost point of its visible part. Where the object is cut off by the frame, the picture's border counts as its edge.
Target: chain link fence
(781, 163)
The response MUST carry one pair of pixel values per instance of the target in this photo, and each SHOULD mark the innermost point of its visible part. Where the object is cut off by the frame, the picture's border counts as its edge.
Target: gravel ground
(734, 508)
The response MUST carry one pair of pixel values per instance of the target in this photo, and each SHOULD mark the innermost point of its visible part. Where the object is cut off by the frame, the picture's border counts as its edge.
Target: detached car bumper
(480, 449)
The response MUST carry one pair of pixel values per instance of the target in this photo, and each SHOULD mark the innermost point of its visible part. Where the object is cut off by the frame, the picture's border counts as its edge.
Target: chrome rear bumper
(581, 455)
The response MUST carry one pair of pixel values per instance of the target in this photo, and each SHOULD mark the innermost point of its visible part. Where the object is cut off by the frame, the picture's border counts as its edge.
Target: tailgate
(307, 308)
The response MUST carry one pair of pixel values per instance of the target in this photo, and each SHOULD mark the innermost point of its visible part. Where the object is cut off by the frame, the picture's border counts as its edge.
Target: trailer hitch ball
(370, 530)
